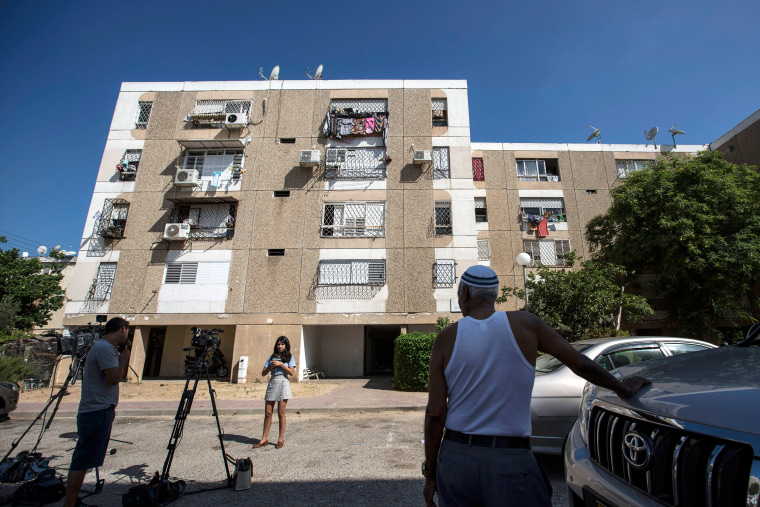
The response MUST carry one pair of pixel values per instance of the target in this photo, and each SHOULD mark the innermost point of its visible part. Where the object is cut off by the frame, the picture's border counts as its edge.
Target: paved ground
(361, 444)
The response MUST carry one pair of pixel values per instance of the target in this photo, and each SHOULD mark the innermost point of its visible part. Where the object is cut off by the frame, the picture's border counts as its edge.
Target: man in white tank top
(481, 379)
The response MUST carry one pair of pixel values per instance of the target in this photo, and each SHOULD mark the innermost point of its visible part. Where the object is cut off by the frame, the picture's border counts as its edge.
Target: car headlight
(589, 395)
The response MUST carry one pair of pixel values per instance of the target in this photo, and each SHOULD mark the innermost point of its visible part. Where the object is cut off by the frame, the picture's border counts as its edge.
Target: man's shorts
(94, 429)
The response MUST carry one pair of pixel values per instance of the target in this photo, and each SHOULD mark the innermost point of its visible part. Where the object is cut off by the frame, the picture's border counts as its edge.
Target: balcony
(113, 219)
(207, 220)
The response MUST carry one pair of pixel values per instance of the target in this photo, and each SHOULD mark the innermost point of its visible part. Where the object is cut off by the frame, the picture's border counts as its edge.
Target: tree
(580, 303)
(28, 292)
(693, 223)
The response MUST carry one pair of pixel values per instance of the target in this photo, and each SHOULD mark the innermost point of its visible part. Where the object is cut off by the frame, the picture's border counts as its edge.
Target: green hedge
(15, 369)
(411, 361)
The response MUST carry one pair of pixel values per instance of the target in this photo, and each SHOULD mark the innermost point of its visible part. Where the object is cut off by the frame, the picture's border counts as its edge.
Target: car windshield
(548, 363)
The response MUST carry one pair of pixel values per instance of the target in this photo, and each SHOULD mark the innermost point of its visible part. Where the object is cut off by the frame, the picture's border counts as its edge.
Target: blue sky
(537, 72)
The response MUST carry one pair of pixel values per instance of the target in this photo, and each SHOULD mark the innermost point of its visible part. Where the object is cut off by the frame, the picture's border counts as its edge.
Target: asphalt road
(329, 458)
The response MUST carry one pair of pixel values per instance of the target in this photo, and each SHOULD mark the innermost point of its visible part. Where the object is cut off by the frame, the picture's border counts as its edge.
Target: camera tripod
(196, 370)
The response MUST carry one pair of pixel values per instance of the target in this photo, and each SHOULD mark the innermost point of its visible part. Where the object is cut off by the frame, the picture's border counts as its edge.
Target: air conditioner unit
(187, 178)
(309, 157)
(177, 231)
(422, 156)
(236, 120)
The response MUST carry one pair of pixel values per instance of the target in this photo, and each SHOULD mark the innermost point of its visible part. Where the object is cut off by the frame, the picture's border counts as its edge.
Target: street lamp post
(524, 260)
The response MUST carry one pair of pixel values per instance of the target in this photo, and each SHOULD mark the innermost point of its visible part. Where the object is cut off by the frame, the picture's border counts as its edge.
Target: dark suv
(8, 398)
(692, 438)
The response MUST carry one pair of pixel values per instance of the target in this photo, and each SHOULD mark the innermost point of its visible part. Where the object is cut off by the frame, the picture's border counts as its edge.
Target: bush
(411, 361)
(15, 369)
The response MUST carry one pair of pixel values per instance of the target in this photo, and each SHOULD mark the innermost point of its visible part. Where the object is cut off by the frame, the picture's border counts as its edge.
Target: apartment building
(337, 213)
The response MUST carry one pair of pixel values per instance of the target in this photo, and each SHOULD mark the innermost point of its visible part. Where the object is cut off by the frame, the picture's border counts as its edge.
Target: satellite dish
(597, 134)
(41, 250)
(57, 247)
(318, 73)
(275, 75)
(673, 132)
(652, 134)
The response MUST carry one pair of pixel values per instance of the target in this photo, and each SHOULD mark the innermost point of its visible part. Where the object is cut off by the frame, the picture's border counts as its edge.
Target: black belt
(488, 441)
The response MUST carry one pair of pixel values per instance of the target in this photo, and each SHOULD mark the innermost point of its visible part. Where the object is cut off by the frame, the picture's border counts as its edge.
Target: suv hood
(718, 387)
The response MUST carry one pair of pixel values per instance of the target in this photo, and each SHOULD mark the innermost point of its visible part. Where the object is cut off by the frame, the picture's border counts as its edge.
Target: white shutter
(213, 273)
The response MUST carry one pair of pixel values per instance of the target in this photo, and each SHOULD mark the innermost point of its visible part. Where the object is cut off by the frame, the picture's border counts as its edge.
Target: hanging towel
(345, 126)
(543, 228)
(357, 128)
(369, 124)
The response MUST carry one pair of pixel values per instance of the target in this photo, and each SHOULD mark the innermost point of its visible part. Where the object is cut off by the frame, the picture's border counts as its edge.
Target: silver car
(557, 390)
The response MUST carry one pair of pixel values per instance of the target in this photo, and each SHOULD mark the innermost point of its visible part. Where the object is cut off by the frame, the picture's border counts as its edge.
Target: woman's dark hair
(284, 356)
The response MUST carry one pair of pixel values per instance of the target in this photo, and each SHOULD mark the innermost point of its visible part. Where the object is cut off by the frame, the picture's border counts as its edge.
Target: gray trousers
(480, 476)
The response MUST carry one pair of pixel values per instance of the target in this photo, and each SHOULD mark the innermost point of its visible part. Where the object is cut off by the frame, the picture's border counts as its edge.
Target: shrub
(15, 369)
(411, 361)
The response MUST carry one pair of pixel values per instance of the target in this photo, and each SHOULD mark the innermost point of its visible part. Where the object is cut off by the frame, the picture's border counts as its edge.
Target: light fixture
(524, 260)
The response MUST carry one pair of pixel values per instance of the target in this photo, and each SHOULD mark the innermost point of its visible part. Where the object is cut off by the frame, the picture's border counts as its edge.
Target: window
(591, 192)
(484, 250)
(552, 209)
(113, 218)
(215, 161)
(210, 113)
(353, 220)
(625, 357)
(441, 169)
(281, 193)
(481, 212)
(197, 273)
(478, 172)
(352, 272)
(440, 113)
(355, 163)
(287, 140)
(442, 218)
(683, 348)
(144, 108)
(626, 167)
(537, 170)
(100, 290)
(276, 252)
(127, 167)
(207, 221)
(444, 273)
(547, 252)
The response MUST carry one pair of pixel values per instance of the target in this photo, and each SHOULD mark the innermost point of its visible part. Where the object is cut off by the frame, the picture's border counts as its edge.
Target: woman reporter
(280, 364)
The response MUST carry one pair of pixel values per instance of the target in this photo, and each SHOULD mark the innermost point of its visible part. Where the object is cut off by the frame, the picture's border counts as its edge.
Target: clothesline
(339, 123)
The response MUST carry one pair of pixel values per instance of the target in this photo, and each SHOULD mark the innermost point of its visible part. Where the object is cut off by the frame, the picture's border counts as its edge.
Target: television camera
(80, 341)
(205, 338)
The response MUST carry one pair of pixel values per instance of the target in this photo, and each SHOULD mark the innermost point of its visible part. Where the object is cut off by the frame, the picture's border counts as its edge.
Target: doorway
(156, 337)
(379, 342)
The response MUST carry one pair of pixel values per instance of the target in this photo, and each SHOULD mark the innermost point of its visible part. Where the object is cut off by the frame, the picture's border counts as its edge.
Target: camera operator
(103, 370)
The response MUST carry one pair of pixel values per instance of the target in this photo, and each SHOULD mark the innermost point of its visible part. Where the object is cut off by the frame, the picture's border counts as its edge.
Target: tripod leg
(185, 404)
(211, 393)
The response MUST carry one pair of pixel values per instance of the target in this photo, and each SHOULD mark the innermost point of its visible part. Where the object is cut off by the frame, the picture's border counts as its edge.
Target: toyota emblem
(637, 449)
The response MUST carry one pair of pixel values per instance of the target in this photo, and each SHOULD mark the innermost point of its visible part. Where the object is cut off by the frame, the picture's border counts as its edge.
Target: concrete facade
(291, 261)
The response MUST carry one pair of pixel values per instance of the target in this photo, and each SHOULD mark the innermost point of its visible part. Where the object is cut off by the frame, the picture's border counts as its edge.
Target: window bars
(207, 221)
(440, 113)
(484, 250)
(441, 169)
(127, 167)
(361, 105)
(352, 272)
(210, 161)
(547, 252)
(355, 163)
(444, 273)
(442, 218)
(100, 290)
(478, 172)
(626, 167)
(144, 108)
(113, 218)
(209, 113)
(354, 220)
(481, 212)
(552, 209)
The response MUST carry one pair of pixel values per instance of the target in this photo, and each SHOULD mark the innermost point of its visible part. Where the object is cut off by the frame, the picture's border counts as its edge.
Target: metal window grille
(440, 113)
(352, 272)
(361, 105)
(181, 272)
(113, 218)
(100, 290)
(355, 163)
(626, 167)
(441, 169)
(553, 209)
(211, 161)
(533, 170)
(484, 250)
(144, 108)
(208, 113)
(353, 219)
(547, 252)
(444, 273)
(442, 218)
(481, 212)
(478, 172)
(207, 221)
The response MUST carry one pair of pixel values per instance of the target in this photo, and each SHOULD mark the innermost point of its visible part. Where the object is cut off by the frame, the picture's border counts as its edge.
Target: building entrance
(378, 349)
(156, 337)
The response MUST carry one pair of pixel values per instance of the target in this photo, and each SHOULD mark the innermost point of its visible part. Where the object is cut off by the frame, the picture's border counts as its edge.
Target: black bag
(45, 488)
(152, 493)
(241, 481)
